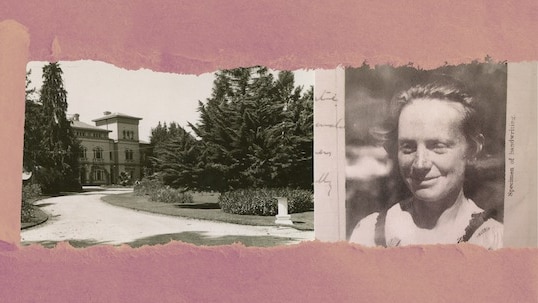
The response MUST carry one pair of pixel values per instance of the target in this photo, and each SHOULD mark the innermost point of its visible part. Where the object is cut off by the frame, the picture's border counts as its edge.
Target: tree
(32, 128)
(254, 131)
(55, 157)
(176, 156)
(233, 127)
(299, 141)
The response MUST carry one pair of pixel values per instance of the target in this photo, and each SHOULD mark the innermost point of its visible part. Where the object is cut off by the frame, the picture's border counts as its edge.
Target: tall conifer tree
(58, 161)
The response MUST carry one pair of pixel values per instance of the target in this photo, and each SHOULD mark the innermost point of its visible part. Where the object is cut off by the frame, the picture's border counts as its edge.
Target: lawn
(205, 207)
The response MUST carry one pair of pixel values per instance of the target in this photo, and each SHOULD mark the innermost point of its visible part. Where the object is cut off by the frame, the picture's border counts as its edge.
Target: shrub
(170, 195)
(30, 192)
(125, 178)
(263, 201)
(53, 181)
(147, 186)
(157, 191)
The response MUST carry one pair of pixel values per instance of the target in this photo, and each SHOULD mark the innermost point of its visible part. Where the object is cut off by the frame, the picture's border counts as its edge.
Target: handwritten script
(511, 155)
(322, 152)
(339, 124)
(327, 96)
(329, 125)
(325, 180)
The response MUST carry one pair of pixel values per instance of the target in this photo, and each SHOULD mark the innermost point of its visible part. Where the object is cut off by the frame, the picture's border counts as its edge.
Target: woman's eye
(407, 148)
(440, 148)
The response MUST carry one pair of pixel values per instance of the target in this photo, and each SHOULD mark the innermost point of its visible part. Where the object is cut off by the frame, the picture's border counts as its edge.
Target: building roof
(109, 115)
(82, 125)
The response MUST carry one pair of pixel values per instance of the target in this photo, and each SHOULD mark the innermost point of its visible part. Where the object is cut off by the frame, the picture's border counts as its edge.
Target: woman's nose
(422, 159)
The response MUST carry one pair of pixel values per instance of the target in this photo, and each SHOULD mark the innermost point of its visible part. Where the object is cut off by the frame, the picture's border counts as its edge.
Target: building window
(129, 155)
(83, 153)
(99, 175)
(98, 153)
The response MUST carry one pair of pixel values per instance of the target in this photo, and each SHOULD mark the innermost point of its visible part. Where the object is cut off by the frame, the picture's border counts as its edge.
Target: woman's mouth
(425, 181)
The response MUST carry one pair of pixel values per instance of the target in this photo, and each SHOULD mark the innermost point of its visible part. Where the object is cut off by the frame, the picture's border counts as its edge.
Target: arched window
(98, 153)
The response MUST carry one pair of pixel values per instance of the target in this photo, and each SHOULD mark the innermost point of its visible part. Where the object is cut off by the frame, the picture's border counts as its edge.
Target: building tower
(126, 154)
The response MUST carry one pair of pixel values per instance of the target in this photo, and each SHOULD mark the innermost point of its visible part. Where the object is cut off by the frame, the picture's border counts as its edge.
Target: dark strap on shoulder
(380, 239)
(476, 221)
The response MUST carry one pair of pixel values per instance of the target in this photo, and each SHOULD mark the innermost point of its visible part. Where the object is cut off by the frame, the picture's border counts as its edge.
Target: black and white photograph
(114, 156)
(425, 154)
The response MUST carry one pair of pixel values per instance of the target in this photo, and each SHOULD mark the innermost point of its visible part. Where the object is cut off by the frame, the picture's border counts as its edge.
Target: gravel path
(85, 217)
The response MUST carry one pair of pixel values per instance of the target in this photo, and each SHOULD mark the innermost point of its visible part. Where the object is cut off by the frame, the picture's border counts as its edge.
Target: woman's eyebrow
(446, 141)
(431, 141)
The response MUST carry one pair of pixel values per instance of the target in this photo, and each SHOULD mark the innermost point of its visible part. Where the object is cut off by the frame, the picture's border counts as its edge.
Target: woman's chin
(428, 195)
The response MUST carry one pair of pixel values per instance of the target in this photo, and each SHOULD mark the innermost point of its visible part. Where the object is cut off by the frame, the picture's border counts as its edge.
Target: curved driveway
(85, 217)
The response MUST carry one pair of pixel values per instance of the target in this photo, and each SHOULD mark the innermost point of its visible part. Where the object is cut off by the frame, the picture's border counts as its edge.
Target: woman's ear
(476, 146)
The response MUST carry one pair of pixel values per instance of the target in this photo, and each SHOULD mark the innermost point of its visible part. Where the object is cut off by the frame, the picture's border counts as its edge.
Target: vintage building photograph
(114, 156)
(111, 151)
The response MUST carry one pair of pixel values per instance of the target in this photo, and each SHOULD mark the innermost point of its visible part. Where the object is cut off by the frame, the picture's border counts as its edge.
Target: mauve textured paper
(202, 36)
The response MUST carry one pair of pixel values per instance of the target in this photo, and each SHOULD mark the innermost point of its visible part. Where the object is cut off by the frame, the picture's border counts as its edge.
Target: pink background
(202, 36)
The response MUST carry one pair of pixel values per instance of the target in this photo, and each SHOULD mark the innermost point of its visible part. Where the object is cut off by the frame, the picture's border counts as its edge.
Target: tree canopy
(254, 131)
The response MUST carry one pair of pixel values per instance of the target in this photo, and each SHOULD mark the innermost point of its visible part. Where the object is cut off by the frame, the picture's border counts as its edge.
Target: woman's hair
(443, 88)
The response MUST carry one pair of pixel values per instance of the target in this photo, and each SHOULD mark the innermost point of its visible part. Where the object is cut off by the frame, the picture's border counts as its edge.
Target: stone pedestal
(282, 218)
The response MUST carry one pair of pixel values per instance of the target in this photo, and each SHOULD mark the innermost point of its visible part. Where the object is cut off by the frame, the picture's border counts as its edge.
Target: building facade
(111, 149)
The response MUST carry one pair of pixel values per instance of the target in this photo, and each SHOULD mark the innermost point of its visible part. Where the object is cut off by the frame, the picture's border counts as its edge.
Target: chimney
(106, 113)
(76, 117)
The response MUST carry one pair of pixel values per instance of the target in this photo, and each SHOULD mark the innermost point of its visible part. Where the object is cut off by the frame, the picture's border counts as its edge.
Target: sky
(95, 87)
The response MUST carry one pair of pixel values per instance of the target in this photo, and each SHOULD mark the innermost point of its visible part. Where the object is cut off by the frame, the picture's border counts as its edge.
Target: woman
(434, 134)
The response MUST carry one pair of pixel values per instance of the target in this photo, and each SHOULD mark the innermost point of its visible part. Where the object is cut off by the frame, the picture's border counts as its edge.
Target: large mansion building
(110, 147)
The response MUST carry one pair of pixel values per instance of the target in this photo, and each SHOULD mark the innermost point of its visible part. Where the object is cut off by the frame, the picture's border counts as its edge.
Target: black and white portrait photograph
(425, 154)
(114, 156)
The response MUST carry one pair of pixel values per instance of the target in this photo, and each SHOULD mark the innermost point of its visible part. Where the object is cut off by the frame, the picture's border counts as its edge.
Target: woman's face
(432, 150)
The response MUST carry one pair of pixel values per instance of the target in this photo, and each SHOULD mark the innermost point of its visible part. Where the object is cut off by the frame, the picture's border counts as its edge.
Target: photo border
(324, 35)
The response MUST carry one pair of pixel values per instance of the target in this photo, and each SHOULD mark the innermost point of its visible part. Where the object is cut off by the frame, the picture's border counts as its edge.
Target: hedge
(263, 202)
(147, 186)
(158, 192)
